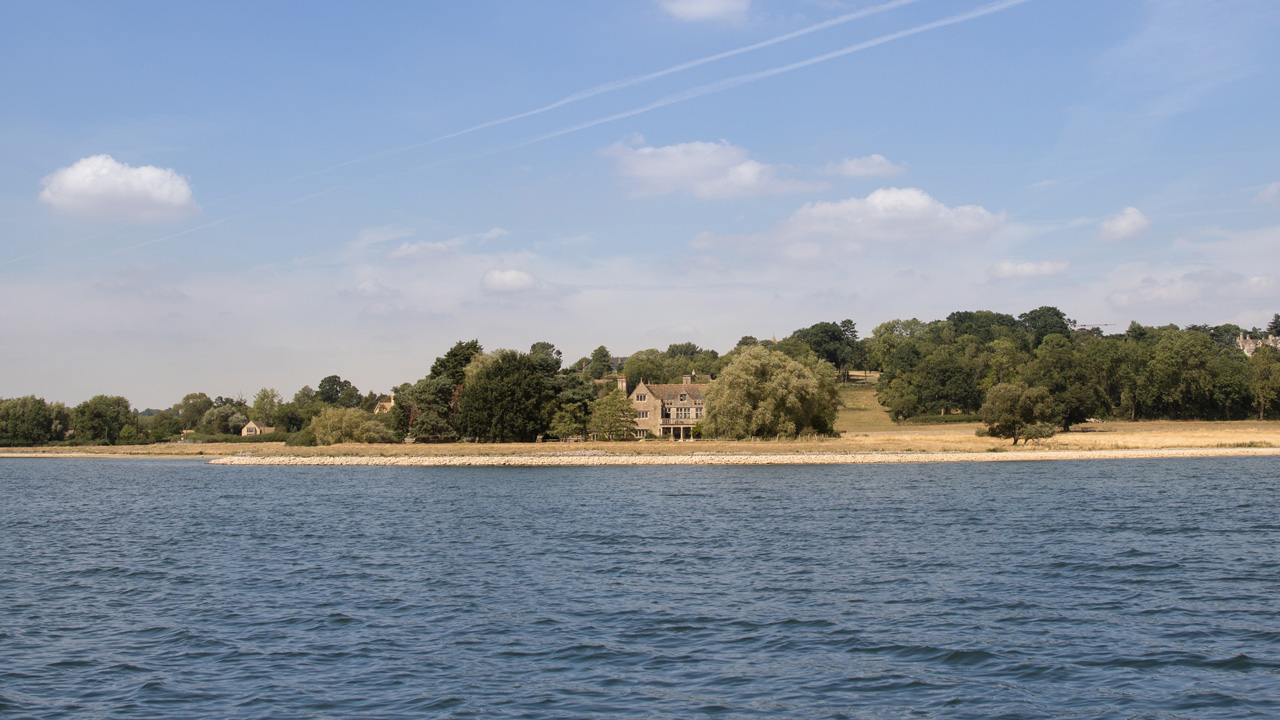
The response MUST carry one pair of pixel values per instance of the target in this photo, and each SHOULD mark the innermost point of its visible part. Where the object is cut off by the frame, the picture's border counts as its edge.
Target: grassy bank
(954, 438)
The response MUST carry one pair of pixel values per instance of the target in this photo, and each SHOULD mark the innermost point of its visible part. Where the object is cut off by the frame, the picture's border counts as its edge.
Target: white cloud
(373, 288)
(864, 167)
(422, 248)
(102, 189)
(1130, 224)
(1009, 270)
(487, 235)
(703, 169)
(505, 281)
(892, 214)
(1213, 287)
(1270, 195)
(730, 10)
(427, 248)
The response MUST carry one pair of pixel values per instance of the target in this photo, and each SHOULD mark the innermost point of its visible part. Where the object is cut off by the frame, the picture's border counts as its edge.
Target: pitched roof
(671, 393)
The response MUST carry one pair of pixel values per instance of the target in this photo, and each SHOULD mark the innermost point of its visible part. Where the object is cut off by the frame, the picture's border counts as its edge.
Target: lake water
(1107, 589)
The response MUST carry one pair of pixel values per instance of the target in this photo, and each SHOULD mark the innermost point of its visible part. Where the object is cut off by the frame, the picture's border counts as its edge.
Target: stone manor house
(668, 411)
(1249, 345)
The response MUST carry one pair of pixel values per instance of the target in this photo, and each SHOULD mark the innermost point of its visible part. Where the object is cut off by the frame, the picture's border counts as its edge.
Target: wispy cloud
(1184, 289)
(1270, 195)
(868, 166)
(730, 10)
(708, 170)
(507, 281)
(1130, 224)
(1008, 270)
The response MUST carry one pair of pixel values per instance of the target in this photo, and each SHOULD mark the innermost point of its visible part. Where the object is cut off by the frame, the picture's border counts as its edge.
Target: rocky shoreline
(600, 458)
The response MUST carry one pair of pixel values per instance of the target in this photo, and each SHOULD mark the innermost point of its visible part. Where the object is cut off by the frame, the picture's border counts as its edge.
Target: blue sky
(220, 197)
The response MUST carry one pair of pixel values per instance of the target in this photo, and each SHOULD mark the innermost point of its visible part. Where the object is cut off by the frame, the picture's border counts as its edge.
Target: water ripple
(1108, 589)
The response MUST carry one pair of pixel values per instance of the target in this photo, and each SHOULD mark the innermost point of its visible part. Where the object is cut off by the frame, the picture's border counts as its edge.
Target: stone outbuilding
(253, 428)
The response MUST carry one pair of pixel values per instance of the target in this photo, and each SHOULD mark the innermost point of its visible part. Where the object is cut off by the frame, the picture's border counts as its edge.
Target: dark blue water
(1113, 589)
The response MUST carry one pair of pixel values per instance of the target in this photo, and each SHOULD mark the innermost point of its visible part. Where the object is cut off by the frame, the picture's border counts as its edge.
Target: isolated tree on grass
(1016, 411)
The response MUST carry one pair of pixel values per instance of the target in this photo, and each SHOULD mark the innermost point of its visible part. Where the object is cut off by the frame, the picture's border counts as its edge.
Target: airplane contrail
(737, 80)
(620, 84)
(722, 85)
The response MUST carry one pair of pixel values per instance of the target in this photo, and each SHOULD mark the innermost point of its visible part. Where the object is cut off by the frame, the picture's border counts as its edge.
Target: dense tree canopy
(503, 398)
(29, 420)
(1146, 372)
(101, 418)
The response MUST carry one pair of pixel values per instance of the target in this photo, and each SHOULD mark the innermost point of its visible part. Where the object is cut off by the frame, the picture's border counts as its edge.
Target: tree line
(1050, 372)
(951, 366)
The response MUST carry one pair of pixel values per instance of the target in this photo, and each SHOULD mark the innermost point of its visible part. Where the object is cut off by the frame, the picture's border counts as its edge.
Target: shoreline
(848, 458)
(594, 458)
(921, 444)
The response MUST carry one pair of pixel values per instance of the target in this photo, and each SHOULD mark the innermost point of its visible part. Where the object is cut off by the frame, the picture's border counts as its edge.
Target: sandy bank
(597, 458)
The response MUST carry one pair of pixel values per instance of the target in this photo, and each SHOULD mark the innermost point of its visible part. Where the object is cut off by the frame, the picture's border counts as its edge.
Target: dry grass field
(864, 425)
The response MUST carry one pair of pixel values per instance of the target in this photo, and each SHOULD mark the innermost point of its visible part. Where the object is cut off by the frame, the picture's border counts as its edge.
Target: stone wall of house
(1250, 345)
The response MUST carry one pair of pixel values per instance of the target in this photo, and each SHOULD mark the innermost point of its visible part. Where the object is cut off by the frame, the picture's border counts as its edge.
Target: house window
(697, 412)
(682, 413)
(641, 397)
(683, 397)
(642, 414)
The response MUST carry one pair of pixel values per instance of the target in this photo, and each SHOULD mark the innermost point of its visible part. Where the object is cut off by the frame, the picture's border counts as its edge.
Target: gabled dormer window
(641, 397)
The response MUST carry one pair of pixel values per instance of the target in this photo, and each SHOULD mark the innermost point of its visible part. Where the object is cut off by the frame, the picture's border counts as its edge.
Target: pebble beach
(601, 458)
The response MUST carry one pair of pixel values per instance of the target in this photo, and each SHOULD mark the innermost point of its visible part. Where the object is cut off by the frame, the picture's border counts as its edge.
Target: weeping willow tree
(764, 393)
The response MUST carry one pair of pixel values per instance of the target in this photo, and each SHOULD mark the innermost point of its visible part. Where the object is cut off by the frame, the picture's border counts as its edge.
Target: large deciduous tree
(613, 417)
(1264, 379)
(1016, 411)
(191, 409)
(27, 421)
(101, 419)
(503, 398)
(336, 391)
(764, 393)
(1044, 321)
(339, 425)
